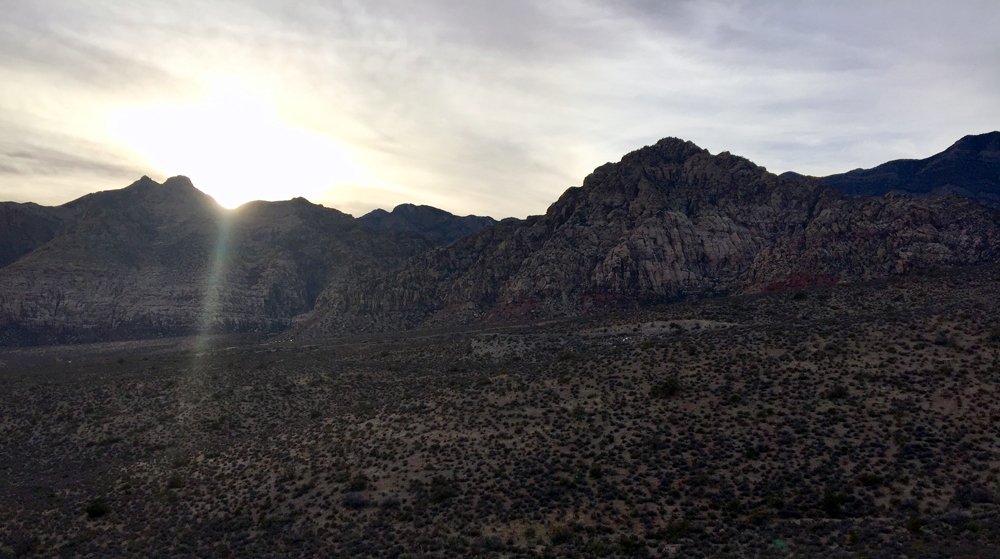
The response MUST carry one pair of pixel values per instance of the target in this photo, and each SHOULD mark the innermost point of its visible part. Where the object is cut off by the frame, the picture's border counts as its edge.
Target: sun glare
(234, 149)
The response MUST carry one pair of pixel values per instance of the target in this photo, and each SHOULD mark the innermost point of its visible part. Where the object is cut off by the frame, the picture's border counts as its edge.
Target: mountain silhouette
(970, 167)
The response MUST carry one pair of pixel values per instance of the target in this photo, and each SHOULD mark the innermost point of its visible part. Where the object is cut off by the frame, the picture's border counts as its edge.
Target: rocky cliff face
(431, 222)
(668, 221)
(164, 259)
(970, 167)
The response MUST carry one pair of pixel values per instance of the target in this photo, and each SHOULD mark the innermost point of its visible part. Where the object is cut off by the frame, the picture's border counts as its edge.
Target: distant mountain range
(970, 167)
(431, 222)
(669, 221)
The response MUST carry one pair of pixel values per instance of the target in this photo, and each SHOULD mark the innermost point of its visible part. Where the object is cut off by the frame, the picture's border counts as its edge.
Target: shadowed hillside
(970, 167)
(431, 222)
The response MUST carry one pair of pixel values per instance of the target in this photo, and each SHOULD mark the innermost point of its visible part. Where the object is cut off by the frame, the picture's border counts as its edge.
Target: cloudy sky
(473, 106)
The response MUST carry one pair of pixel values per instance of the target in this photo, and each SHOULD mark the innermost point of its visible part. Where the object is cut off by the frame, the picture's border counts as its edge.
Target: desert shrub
(672, 532)
(175, 482)
(560, 535)
(355, 501)
(178, 458)
(915, 524)
(490, 543)
(800, 295)
(666, 389)
(631, 545)
(598, 548)
(833, 502)
(870, 480)
(359, 483)
(441, 490)
(838, 392)
(405, 514)
(390, 502)
(967, 494)
(760, 516)
(20, 545)
(97, 508)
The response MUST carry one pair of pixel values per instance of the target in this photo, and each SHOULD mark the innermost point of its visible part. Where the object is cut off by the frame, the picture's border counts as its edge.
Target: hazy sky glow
(475, 107)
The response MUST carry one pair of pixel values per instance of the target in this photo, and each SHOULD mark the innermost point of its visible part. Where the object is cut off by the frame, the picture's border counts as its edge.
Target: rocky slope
(970, 167)
(165, 259)
(429, 221)
(25, 227)
(668, 221)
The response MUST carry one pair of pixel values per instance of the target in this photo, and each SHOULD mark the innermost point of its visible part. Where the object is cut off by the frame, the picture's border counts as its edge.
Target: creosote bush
(97, 508)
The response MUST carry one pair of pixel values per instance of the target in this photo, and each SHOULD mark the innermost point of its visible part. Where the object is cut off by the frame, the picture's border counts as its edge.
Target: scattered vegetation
(648, 441)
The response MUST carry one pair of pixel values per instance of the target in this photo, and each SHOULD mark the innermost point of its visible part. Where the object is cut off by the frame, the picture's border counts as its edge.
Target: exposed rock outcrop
(668, 221)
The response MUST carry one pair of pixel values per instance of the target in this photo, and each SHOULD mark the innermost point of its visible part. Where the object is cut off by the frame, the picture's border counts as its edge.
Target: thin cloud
(495, 108)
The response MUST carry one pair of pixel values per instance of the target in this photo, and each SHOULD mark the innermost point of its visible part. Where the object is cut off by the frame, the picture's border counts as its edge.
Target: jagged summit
(668, 221)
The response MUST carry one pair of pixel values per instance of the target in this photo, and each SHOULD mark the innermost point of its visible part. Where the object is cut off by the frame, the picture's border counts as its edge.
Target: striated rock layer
(668, 221)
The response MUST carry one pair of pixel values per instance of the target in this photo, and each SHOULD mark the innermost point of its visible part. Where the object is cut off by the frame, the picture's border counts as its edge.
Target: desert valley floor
(846, 421)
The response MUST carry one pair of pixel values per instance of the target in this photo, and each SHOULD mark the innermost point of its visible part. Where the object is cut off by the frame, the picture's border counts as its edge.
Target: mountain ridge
(970, 167)
(432, 222)
(164, 259)
(667, 222)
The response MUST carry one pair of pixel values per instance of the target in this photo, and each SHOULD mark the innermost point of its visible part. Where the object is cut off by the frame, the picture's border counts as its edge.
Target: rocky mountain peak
(175, 203)
(668, 221)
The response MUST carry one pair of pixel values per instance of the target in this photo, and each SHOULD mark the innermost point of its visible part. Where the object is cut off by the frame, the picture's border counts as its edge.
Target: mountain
(426, 220)
(165, 259)
(25, 227)
(668, 221)
(970, 167)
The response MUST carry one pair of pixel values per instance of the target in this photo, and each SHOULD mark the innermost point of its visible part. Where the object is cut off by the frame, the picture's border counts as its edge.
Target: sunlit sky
(484, 107)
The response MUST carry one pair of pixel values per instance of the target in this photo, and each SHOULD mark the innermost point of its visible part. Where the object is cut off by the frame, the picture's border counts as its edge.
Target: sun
(234, 148)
